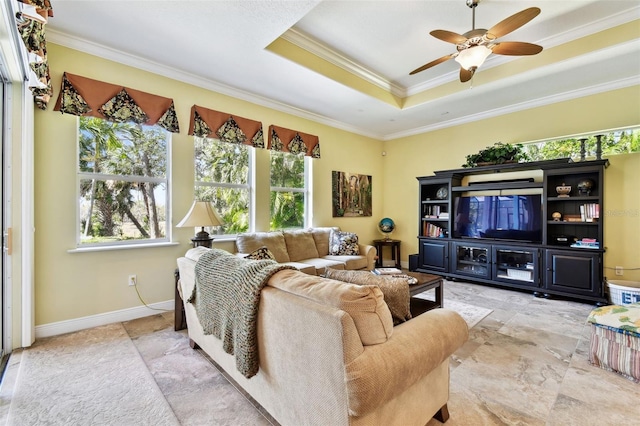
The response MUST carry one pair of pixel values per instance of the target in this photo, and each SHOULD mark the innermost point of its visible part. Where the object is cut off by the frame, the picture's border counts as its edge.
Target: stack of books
(586, 243)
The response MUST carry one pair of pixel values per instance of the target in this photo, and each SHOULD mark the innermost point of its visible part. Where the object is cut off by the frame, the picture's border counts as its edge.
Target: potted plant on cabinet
(499, 153)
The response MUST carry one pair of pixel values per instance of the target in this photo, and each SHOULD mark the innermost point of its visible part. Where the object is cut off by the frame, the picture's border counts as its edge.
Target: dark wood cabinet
(569, 259)
(516, 265)
(575, 273)
(434, 255)
(471, 259)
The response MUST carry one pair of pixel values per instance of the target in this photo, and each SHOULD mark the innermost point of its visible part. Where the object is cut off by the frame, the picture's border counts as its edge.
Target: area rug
(91, 377)
(471, 314)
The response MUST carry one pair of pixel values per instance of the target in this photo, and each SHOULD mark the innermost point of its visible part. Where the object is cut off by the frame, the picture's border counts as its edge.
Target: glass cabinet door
(517, 265)
(473, 260)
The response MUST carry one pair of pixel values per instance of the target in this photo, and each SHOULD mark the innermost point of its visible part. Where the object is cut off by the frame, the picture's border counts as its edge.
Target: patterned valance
(30, 20)
(285, 140)
(207, 123)
(84, 96)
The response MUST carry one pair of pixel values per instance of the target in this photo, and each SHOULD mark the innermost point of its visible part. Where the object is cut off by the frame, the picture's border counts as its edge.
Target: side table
(179, 318)
(395, 251)
(425, 282)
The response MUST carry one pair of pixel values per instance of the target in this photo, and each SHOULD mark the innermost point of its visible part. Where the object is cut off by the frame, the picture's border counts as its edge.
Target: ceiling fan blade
(431, 64)
(516, 48)
(465, 75)
(513, 22)
(448, 36)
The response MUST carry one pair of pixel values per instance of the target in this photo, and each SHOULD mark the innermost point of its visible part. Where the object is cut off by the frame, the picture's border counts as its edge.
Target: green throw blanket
(226, 298)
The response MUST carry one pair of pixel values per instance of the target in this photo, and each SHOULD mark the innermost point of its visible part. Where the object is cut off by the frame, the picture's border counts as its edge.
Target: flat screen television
(499, 217)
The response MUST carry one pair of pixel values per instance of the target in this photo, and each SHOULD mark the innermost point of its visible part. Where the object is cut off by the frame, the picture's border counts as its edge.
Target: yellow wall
(444, 149)
(73, 285)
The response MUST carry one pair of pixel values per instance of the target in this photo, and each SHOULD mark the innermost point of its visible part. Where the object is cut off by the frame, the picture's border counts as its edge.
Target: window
(123, 182)
(615, 142)
(222, 178)
(289, 195)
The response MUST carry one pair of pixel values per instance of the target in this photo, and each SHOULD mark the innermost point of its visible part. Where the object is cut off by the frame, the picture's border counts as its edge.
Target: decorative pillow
(250, 241)
(300, 245)
(395, 290)
(364, 303)
(343, 243)
(262, 253)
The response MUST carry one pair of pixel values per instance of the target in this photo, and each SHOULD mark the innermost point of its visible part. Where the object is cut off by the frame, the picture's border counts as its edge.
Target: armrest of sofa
(416, 348)
(370, 252)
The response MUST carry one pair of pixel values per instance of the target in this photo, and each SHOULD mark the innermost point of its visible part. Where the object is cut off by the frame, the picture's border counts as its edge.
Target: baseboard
(68, 326)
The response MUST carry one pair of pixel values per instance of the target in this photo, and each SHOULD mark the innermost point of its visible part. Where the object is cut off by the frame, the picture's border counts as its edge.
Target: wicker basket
(623, 292)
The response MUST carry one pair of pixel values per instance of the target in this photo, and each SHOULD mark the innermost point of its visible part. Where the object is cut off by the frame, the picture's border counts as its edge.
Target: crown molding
(82, 45)
(322, 51)
(533, 103)
(118, 56)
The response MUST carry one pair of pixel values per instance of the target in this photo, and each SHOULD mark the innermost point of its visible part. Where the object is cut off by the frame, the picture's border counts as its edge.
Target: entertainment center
(533, 226)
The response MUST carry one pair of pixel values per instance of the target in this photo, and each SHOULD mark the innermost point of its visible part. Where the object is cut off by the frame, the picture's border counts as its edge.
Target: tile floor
(524, 364)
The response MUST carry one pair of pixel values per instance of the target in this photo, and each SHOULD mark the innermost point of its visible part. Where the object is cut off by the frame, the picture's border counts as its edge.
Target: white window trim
(249, 186)
(308, 199)
(115, 245)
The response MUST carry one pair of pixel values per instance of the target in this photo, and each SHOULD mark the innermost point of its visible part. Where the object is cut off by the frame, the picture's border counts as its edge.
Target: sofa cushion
(321, 264)
(343, 243)
(321, 237)
(263, 253)
(350, 262)
(365, 304)
(195, 253)
(300, 245)
(274, 241)
(395, 290)
(304, 267)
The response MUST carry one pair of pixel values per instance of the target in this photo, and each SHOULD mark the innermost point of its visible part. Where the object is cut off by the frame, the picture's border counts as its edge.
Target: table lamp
(201, 214)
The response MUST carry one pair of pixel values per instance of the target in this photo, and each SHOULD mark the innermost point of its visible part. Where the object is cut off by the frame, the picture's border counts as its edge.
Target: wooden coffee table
(425, 282)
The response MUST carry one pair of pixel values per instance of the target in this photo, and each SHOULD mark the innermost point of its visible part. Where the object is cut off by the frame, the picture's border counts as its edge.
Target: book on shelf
(589, 243)
(434, 212)
(387, 271)
(431, 230)
(589, 212)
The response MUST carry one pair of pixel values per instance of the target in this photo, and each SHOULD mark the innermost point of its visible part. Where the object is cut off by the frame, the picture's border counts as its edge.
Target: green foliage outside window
(222, 175)
(123, 180)
(618, 142)
(287, 198)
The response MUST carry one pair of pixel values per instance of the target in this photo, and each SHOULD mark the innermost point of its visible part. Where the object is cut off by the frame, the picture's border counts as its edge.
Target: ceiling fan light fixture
(473, 57)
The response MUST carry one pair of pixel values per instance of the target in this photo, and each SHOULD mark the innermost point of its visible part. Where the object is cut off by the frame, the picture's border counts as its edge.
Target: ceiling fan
(476, 45)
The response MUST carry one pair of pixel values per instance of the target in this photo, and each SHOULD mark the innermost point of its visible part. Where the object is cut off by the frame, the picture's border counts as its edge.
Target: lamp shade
(473, 57)
(201, 214)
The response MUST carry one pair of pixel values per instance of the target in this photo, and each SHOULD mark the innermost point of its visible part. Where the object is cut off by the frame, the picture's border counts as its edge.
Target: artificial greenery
(499, 153)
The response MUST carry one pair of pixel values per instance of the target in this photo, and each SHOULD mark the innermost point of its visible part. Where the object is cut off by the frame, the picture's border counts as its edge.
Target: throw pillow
(262, 253)
(343, 243)
(394, 290)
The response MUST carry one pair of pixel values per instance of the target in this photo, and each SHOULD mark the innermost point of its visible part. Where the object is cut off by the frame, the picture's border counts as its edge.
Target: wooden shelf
(489, 186)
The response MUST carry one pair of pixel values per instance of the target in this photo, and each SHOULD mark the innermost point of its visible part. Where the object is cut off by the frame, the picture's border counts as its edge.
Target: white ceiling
(221, 45)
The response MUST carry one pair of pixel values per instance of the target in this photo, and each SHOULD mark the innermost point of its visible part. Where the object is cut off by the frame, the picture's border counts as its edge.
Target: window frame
(306, 190)
(166, 180)
(249, 186)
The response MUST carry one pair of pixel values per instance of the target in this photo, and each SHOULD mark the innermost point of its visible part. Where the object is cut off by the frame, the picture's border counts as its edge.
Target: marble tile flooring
(524, 364)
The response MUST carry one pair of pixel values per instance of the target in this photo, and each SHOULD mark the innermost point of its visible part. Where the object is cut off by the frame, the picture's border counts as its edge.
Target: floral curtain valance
(30, 20)
(208, 123)
(88, 97)
(285, 140)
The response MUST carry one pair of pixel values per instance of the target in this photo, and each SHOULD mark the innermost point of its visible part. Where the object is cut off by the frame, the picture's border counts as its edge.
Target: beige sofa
(306, 250)
(329, 354)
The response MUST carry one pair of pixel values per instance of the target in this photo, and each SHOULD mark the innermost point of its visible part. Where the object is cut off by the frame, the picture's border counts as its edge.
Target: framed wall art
(351, 194)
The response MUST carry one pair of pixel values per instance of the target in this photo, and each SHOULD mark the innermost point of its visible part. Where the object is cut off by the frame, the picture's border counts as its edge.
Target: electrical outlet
(619, 270)
(133, 280)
